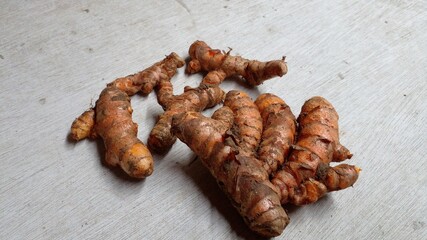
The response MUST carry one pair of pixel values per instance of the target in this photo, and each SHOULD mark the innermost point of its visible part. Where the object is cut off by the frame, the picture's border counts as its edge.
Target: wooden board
(368, 58)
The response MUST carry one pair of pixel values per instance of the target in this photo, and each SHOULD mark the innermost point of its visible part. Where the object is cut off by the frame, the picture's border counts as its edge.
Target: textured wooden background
(369, 58)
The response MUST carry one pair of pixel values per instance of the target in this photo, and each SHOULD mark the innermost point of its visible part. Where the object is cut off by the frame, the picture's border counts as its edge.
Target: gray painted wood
(367, 57)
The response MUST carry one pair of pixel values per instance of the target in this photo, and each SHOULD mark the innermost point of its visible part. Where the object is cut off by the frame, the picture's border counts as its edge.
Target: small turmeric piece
(307, 176)
(83, 126)
(111, 118)
(193, 99)
(220, 65)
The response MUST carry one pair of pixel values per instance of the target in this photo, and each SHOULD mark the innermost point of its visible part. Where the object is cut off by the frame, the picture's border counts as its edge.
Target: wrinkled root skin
(240, 175)
(247, 121)
(254, 196)
(197, 99)
(114, 123)
(258, 183)
(115, 126)
(279, 131)
(143, 81)
(220, 65)
(307, 176)
(146, 80)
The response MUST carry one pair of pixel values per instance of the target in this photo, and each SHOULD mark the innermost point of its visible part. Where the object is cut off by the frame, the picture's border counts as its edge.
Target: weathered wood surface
(369, 58)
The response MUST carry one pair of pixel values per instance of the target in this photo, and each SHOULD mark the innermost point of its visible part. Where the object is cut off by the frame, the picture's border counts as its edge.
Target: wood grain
(367, 58)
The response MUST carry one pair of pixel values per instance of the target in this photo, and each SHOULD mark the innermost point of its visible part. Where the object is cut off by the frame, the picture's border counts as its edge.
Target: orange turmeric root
(220, 65)
(247, 121)
(231, 146)
(193, 99)
(111, 118)
(223, 144)
(143, 81)
(307, 176)
(115, 126)
(279, 131)
(83, 126)
(146, 80)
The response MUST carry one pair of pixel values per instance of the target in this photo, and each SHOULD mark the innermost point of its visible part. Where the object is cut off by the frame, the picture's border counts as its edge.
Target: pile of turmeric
(219, 66)
(261, 155)
(158, 76)
(262, 158)
(226, 144)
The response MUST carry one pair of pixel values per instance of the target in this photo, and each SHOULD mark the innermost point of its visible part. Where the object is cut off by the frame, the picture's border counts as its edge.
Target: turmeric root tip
(83, 126)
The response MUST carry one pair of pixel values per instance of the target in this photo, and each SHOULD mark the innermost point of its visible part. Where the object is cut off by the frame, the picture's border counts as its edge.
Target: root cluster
(261, 155)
